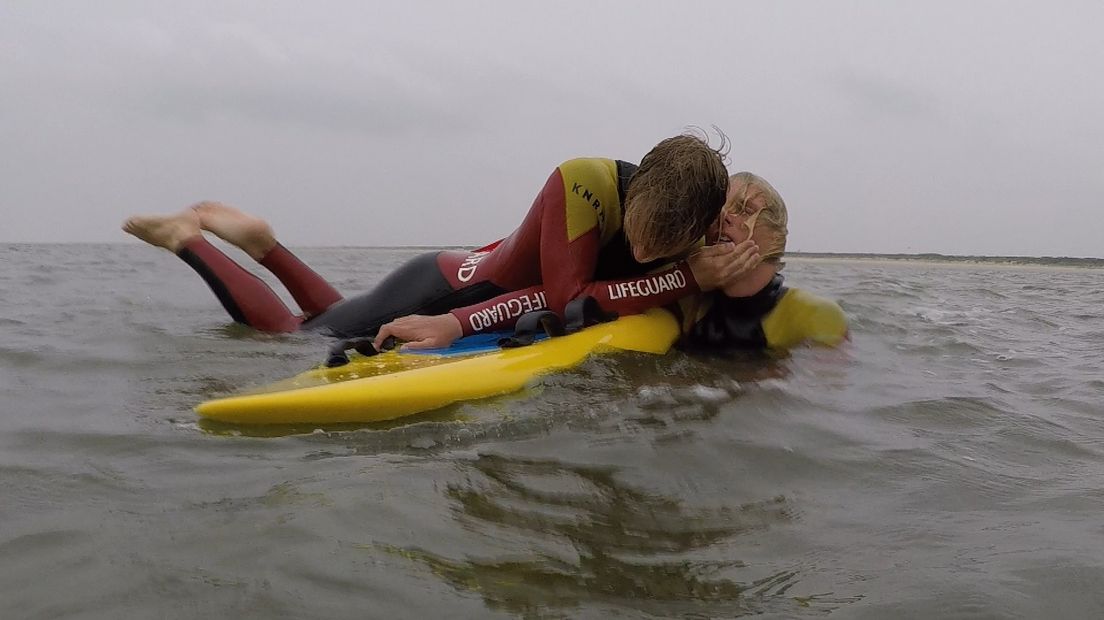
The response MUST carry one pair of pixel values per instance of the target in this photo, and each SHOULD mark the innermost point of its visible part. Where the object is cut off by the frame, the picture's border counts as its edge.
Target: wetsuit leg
(310, 290)
(418, 287)
(245, 296)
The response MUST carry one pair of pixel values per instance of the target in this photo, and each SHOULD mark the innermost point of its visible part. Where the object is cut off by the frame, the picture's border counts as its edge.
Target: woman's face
(737, 220)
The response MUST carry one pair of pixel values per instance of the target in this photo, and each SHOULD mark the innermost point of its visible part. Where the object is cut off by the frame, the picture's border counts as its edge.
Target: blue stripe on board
(471, 345)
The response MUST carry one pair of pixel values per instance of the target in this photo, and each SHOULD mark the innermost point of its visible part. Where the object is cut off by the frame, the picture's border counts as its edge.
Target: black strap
(625, 172)
(337, 355)
(578, 314)
(583, 312)
(531, 325)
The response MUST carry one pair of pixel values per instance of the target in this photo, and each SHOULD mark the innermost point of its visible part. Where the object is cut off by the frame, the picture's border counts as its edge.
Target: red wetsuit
(571, 244)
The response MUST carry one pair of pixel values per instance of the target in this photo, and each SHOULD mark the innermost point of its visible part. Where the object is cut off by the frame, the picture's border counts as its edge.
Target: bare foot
(248, 232)
(165, 231)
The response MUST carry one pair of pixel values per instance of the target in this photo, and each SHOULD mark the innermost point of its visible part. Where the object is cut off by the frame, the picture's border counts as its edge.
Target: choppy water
(949, 462)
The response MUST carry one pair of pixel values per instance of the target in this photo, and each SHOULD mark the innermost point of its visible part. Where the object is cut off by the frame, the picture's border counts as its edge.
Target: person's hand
(421, 332)
(715, 265)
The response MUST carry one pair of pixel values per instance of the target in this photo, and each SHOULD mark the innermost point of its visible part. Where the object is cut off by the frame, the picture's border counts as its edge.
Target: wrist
(692, 284)
(457, 329)
(461, 320)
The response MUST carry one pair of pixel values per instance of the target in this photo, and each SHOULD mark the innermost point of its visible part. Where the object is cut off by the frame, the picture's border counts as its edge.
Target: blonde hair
(773, 216)
(676, 194)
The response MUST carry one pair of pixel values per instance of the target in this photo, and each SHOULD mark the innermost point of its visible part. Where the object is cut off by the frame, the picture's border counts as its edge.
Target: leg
(310, 290)
(245, 296)
(418, 287)
(253, 235)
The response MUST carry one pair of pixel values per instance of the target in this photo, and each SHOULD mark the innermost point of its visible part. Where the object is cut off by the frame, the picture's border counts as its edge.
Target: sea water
(947, 462)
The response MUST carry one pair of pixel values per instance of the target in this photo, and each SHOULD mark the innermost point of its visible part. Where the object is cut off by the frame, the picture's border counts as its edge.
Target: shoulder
(802, 316)
(590, 167)
(591, 197)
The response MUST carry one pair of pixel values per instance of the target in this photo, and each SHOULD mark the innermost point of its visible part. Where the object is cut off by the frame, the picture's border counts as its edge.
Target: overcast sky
(954, 127)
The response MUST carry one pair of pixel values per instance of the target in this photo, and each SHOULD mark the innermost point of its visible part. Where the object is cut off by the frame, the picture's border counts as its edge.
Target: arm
(581, 213)
(626, 296)
(577, 211)
(801, 316)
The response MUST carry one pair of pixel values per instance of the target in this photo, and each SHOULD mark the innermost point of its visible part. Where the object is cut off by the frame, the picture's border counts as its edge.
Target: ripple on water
(590, 540)
(942, 464)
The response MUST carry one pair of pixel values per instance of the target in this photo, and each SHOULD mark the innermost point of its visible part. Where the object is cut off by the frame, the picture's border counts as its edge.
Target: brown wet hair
(676, 194)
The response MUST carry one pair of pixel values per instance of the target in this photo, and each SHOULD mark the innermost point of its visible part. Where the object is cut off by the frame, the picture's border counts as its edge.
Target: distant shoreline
(946, 259)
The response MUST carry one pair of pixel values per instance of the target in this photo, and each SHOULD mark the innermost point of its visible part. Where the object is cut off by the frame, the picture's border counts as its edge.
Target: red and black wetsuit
(570, 244)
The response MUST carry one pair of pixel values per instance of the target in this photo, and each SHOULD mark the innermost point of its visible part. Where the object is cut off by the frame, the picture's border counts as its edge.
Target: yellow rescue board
(392, 385)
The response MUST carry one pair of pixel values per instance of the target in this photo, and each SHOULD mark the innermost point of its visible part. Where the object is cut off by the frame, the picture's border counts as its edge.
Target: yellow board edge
(394, 395)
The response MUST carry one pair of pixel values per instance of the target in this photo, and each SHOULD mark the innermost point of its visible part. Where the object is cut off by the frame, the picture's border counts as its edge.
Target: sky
(938, 126)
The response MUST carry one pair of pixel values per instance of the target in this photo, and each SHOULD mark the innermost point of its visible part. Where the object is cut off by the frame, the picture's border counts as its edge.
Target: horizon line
(791, 253)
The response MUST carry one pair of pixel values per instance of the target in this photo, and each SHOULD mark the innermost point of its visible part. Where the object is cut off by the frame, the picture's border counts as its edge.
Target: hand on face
(421, 332)
(716, 265)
